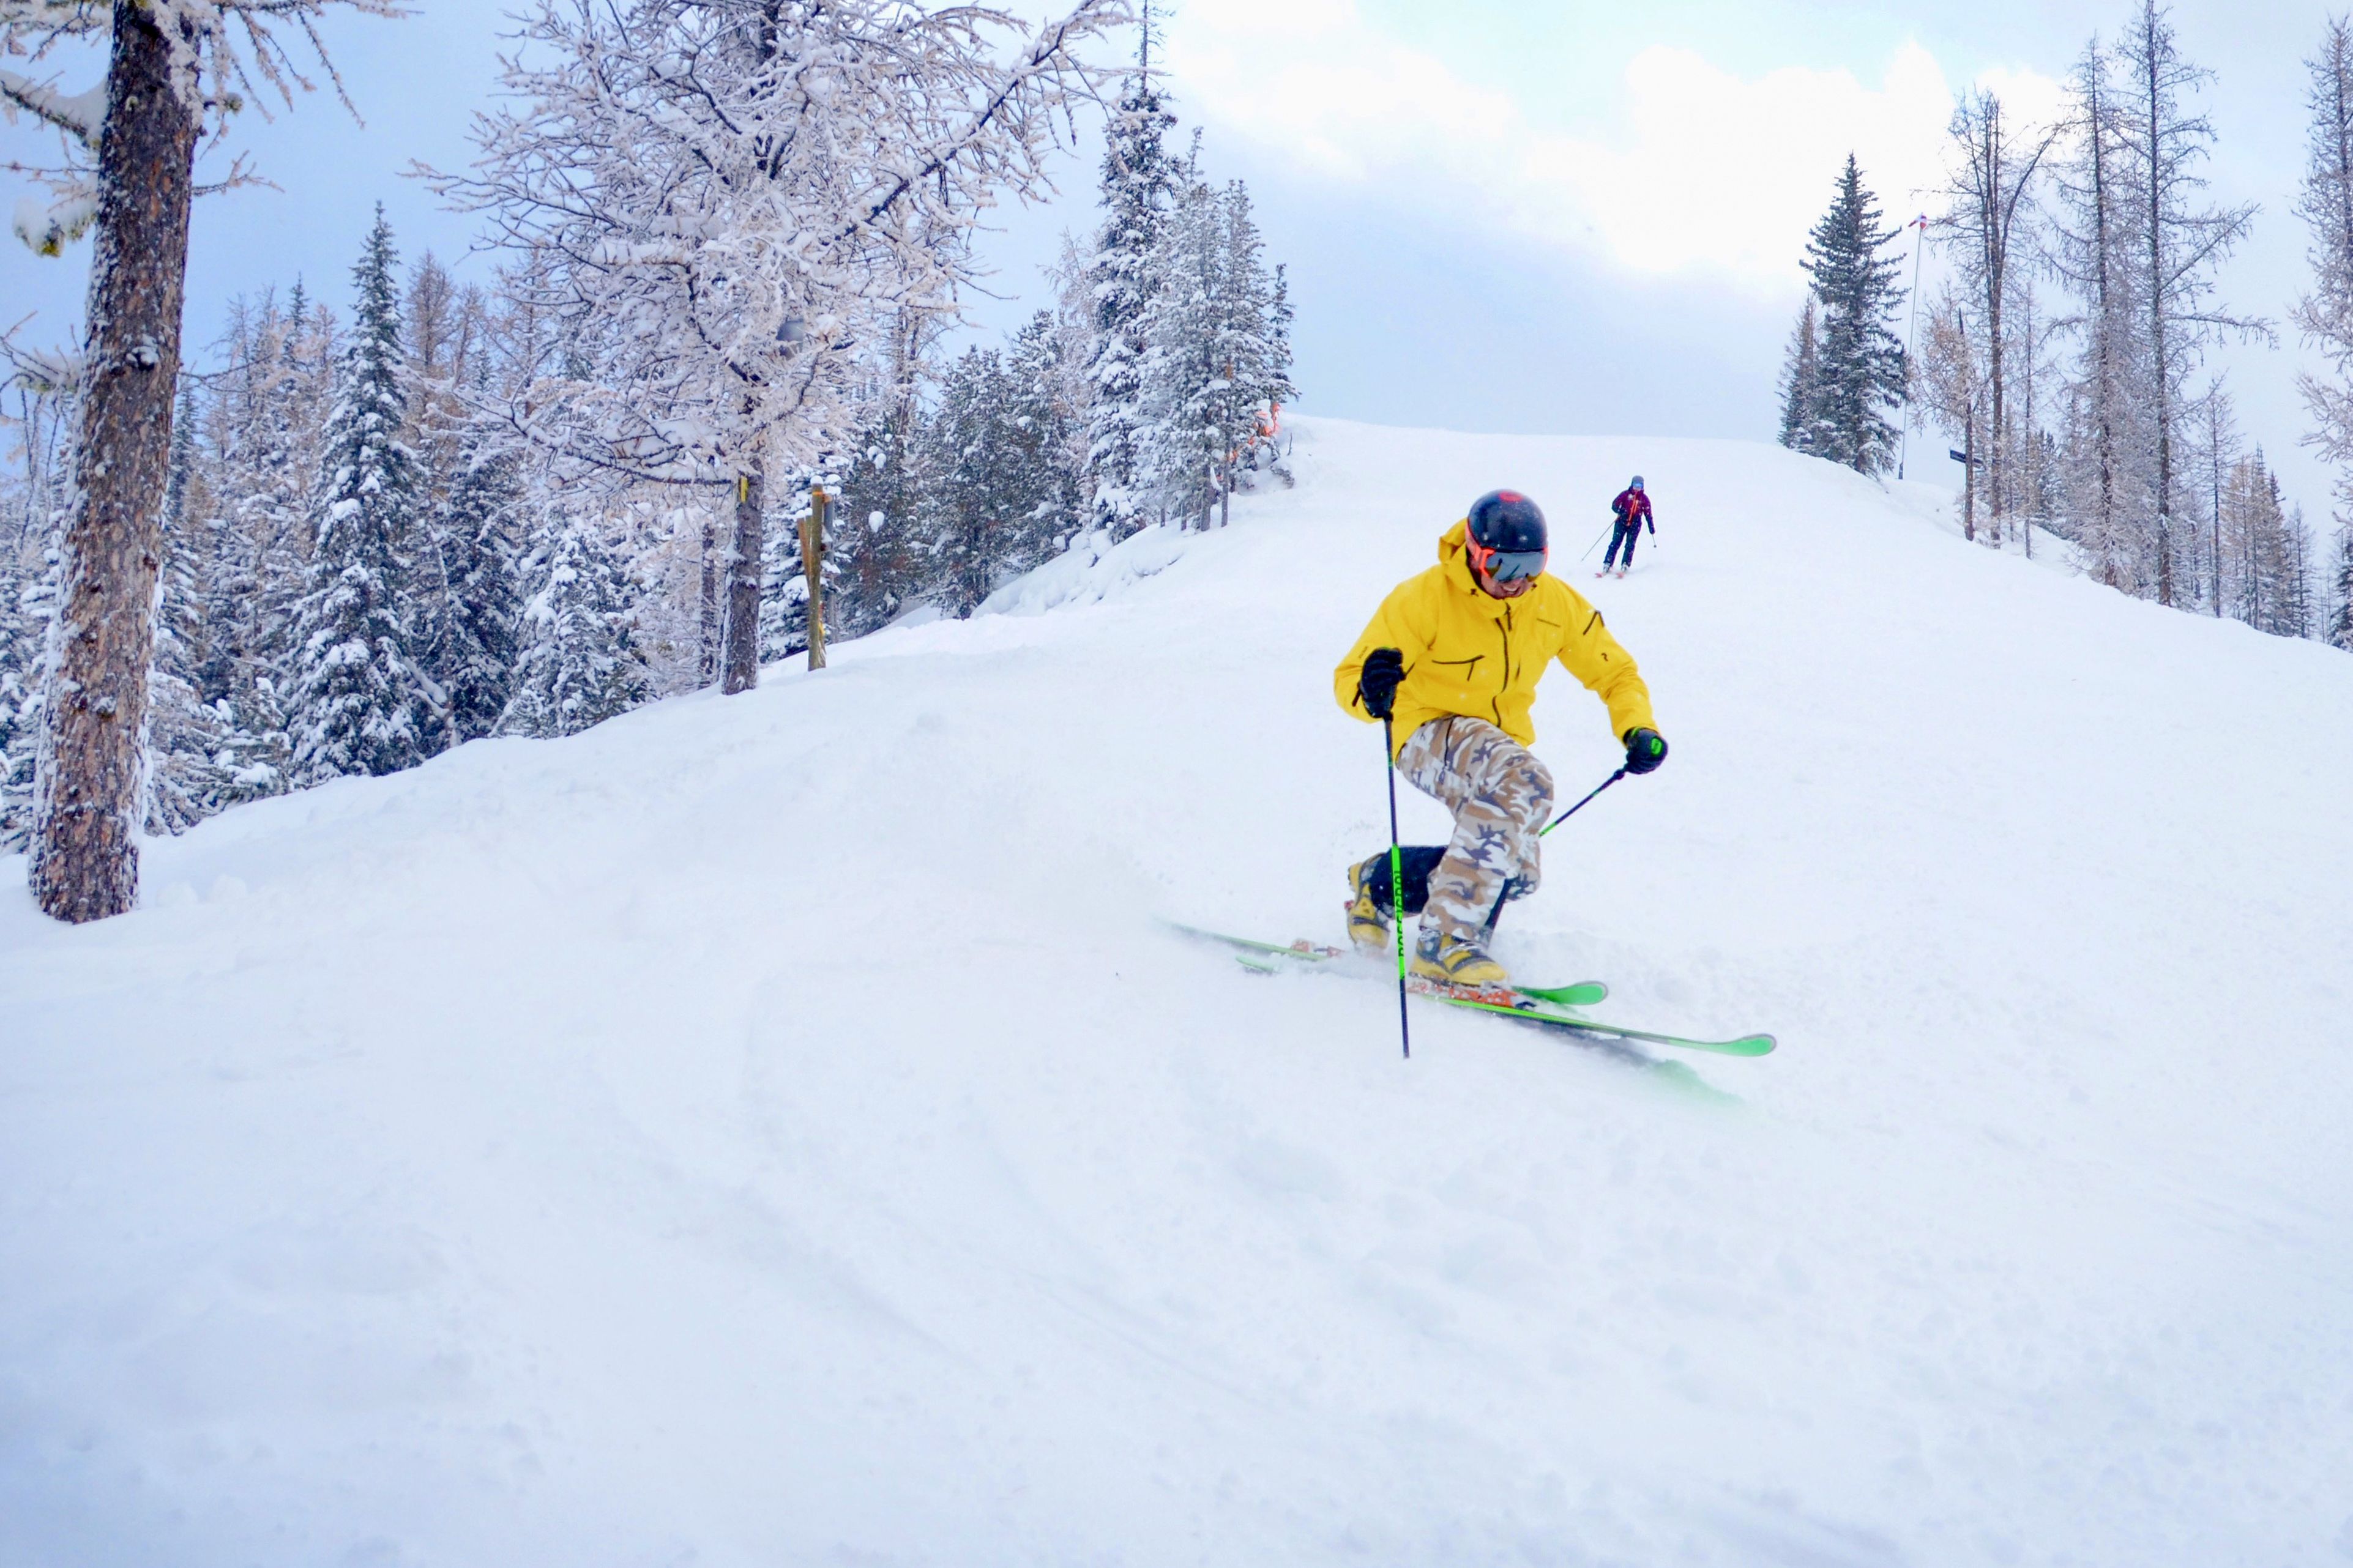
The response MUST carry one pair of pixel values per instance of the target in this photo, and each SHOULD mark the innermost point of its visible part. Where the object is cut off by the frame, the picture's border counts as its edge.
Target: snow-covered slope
(778, 1129)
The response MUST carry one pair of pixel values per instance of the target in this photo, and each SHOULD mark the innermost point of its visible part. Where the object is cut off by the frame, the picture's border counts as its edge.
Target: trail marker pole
(813, 566)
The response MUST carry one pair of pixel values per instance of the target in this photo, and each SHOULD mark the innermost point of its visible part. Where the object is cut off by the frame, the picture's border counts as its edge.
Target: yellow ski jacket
(1468, 653)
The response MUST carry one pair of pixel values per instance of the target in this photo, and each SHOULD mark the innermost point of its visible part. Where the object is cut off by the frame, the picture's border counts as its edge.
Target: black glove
(1645, 750)
(1376, 683)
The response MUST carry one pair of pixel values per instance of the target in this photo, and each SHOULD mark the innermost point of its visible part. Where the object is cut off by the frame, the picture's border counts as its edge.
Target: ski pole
(1597, 539)
(1397, 884)
(1573, 810)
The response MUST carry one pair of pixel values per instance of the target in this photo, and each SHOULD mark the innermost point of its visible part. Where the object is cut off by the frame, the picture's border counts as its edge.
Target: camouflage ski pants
(1500, 795)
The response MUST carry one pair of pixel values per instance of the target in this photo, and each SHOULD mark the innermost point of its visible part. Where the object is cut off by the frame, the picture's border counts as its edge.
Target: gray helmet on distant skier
(1507, 540)
(1638, 481)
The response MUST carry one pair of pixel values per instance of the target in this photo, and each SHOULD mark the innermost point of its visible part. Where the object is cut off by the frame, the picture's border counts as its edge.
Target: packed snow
(782, 1129)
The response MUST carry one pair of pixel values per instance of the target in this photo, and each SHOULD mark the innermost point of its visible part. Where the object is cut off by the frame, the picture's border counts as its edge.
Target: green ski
(1555, 1007)
(1584, 993)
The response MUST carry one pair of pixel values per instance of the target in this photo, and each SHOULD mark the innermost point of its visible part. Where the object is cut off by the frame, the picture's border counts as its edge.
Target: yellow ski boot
(1452, 961)
(1368, 917)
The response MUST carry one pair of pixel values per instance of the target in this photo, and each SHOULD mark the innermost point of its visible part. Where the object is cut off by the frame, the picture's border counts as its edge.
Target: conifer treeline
(2067, 352)
(369, 561)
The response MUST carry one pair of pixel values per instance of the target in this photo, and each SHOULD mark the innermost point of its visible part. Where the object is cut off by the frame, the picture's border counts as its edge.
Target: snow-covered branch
(730, 199)
(225, 56)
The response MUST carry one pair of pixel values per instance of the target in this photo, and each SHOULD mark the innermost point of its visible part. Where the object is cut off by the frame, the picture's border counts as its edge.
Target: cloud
(1702, 171)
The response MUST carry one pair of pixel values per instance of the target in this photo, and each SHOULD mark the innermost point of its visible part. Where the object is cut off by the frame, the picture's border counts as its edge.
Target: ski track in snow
(778, 1130)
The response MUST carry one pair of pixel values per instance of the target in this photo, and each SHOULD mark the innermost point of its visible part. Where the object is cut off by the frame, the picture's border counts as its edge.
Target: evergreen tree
(2339, 630)
(473, 658)
(1043, 433)
(360, 705)
(1861, 367)
(1139, 188)
(190, 758)
(872, 542)
(994, 497)
(1217, 354)
(966, 498)
(28, 578)
(1181, 433)
(579, 664)
(1801, 373)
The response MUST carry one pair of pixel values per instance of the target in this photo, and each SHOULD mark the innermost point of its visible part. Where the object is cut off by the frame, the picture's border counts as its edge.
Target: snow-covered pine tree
(2339, 631)
(473, 658)
(579, 663)
(359, 704)
(1860, 368)
(1800, 371)
(2299, 611)
(969, 506)
(997, 497)
(1181, 430)
(1280, 391)
(1045, 435)
(1252, 351)
(2181, 245)
(1138, 189)
(871, 542)
(30, 562)
(190, 757)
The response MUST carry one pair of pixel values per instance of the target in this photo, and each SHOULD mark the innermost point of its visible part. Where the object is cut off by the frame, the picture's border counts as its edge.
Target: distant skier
(1453, 656)
(1634, 509)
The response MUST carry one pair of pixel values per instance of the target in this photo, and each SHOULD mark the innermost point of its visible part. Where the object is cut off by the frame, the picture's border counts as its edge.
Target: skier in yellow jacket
(1452, 658)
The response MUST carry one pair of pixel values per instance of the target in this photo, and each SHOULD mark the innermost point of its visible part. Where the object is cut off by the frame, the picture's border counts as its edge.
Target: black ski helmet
(1506, 520)
(1507, 535)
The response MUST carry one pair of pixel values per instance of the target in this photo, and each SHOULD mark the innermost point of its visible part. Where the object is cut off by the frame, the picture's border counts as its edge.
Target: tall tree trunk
(1997, 264)
(2103, 315)
(740, 649)
(2162, 389)
(1970, 474)
(707, 664)
(85, 849)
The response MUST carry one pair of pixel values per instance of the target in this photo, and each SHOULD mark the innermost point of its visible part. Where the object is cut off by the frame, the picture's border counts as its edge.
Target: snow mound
(1091, 570)
(779, 1128)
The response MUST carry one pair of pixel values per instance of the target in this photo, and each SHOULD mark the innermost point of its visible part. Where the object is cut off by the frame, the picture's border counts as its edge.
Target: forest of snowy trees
(2067, 352)
(430, 510)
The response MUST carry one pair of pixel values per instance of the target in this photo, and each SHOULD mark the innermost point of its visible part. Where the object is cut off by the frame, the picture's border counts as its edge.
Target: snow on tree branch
(225, 56)
(726, 201)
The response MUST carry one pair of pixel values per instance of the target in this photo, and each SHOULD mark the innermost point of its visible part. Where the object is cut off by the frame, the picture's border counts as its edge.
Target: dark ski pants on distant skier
(1626, 534)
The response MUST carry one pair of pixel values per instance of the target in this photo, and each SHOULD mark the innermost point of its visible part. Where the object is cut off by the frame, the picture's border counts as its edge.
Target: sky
(1498, 215)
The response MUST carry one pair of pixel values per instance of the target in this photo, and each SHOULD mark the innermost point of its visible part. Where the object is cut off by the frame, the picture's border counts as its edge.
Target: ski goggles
(1506, 565)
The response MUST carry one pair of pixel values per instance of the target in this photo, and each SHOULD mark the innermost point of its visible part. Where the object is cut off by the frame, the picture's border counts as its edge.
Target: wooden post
(813, 565)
